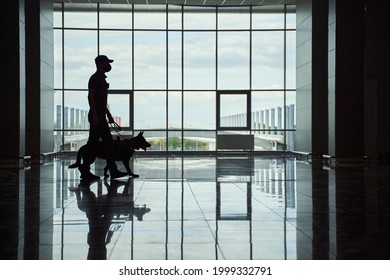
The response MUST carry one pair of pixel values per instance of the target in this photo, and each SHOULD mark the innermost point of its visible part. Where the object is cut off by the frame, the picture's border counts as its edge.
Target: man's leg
(110, 156)
(90, 155)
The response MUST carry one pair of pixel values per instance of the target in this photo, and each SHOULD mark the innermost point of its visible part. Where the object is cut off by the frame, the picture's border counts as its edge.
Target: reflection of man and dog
(100, 120)
(106, 212)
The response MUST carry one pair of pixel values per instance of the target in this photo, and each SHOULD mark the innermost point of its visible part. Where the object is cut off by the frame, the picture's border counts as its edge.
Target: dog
(123, 150)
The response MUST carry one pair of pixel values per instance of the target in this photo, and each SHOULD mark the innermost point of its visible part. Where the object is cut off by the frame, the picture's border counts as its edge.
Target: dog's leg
(127, 166)
(80, 155)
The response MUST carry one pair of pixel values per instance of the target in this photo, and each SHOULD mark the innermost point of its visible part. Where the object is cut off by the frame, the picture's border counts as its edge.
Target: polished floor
(197, 208)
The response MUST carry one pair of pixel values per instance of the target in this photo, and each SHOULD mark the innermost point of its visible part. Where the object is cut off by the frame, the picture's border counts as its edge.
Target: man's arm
(92, 105)
(109, 116)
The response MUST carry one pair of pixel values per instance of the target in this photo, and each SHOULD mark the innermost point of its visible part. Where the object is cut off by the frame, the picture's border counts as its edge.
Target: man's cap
(103, 58)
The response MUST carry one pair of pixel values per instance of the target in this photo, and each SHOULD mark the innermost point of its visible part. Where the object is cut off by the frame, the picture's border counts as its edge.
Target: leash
(116, 127)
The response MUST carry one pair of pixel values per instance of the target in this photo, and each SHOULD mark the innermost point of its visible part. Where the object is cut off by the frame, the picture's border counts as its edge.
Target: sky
(150, 59)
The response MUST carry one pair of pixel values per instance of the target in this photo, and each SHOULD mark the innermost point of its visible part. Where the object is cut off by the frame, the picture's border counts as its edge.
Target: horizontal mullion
(172, 30)
(125, 91)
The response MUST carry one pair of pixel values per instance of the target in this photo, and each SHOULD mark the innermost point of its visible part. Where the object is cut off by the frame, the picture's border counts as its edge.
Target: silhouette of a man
(97, 117)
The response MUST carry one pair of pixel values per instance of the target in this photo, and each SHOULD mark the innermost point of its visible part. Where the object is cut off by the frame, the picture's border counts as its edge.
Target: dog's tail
(78, 160)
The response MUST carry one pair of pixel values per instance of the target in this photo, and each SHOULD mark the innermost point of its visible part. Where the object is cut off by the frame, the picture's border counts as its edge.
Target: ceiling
(188, 2)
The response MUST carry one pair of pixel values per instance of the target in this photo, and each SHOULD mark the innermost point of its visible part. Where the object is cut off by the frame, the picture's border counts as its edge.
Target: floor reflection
(106, 213)
(191, 208)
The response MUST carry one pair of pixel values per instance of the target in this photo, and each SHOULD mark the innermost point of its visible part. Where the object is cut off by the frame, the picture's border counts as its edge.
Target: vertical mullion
(182, 136)
(63, 75)
(166, 77)
(285, 210)
(166, 129)
(250, 46)
(132, 69)
(98, 28)
(216, 48)
(250, 68)
(182, 76)
(284, 75)
(217, 109)
(132, 115)
(62, 149)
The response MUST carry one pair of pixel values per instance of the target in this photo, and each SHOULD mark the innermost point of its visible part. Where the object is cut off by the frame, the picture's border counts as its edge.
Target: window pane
(73, 140)
(80, 15)
(199, 110)
(80, 53)
(58, 59)
(290, 100)
(267, 60)
(174, 17)
(233, 18)
(199, 141)
(150, 60)
(57, 139)
(233, 110)
(290, 60)
(174, 60)
(290, 120)
(157, 139)
(57, 15)
(76, 110)
(267, 115)
(291, 17)
(75, 117)
(197, 18)
(117, 45)
(233, 60)
(119, 106)
(174, 110)
(263, 102)
(174, 141)
(149, 17)
(115, 16)
(270, 17)
(199, 60)
(149, 110)
(58, 109)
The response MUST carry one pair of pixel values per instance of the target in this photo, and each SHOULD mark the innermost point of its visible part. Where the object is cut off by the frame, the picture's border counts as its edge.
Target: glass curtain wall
(170, 63)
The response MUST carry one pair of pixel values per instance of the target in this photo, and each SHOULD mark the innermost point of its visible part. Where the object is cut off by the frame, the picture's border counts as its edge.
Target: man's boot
(86, 174)
(115, 173)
